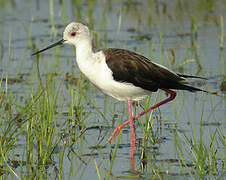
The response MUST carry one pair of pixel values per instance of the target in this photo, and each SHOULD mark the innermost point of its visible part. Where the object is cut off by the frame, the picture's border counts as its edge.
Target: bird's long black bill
(51, 46)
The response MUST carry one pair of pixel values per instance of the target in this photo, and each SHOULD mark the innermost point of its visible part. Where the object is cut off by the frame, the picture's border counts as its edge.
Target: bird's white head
(75, 33)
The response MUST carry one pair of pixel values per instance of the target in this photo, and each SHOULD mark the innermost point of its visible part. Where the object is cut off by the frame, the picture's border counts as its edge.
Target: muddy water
(136, 26)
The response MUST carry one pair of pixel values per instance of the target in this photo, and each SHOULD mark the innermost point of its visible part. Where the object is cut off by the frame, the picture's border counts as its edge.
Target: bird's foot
(114, 133)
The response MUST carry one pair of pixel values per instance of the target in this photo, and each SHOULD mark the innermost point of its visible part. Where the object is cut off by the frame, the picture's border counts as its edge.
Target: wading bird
(122, 74)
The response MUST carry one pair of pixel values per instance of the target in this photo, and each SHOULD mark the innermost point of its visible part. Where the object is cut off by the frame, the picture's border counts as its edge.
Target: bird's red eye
(73, 34)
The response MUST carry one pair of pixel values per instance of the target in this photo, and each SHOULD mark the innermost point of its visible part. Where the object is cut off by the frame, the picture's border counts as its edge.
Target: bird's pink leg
(132, 139)
(172, 97)
(119, 127)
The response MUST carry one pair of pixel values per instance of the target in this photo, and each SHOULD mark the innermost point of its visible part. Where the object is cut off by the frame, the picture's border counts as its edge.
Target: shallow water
(137, 26)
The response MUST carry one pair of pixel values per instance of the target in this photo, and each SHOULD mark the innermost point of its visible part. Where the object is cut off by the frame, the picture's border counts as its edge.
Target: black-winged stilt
(122, 74)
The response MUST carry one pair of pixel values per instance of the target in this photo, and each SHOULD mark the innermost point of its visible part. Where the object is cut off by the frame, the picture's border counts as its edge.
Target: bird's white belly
(118, 90)
(123, 91)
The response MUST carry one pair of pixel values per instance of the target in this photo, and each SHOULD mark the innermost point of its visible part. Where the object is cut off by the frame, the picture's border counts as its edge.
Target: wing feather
(131, 67)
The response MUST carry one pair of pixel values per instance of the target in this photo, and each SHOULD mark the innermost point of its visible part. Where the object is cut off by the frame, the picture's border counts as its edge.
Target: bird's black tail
(187, 87)
(190, 76)
(190, 88)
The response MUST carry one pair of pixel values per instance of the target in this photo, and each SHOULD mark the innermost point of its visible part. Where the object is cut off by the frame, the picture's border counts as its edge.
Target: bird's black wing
(131, 67)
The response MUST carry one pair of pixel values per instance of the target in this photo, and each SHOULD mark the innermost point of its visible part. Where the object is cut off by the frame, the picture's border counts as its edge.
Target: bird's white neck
(84, 55)
(84, 49)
